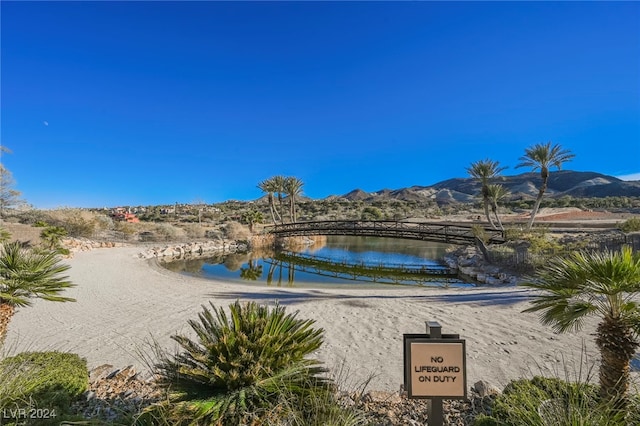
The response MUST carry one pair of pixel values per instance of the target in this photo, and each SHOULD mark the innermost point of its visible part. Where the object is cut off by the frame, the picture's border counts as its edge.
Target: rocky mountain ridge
(523, 186)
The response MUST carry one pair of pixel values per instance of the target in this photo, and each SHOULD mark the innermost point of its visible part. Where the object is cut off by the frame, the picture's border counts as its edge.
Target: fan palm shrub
(601, 284)
(240, 366)
(52, 236)
(26, 274)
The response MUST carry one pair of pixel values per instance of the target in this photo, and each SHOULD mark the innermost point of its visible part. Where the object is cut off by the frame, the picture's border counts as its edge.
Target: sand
(124, 302)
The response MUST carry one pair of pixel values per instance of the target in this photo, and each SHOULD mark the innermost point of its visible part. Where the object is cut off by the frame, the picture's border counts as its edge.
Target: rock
(491, 280)
(468, 271)
(115, 394)
(191, 250)
(483, 389)
(100, 372)
(380, 396)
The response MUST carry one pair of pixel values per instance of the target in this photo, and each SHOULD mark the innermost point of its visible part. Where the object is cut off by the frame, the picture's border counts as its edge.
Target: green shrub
(484, 420)
(371, 213)
(4, 235)
(542, 401)
(538, 237)
(49, 381)
(239, 368)
(52, 236)
(630, 225)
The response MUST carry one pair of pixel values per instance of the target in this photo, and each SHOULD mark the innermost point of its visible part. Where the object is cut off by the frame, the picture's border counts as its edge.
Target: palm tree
(268, 186)
(293, 188)
(52, 236)
(26, 274)
(596, 284)
(278, 185)
(496, 194)
(251, 217)
(542, 157)
(483, 171)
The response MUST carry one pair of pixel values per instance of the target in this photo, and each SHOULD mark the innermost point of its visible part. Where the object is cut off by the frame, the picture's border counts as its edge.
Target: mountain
(523, 186)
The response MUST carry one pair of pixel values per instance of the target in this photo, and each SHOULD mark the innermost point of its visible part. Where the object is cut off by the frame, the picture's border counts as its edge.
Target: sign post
(435, 368)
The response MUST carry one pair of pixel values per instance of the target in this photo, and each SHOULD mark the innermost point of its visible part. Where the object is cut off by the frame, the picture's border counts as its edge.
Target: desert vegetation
(596, 284)
(251, 366)
(26, 274)
(254, 364)
(43, 384)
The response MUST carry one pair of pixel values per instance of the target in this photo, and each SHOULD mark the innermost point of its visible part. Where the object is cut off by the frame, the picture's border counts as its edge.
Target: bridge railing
(448, 232)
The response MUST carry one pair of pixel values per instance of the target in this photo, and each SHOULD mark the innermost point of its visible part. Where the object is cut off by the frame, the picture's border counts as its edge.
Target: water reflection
(354, 261)
(252, 272)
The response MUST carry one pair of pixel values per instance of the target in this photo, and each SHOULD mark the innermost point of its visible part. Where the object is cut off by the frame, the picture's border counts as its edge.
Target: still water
(343, 261)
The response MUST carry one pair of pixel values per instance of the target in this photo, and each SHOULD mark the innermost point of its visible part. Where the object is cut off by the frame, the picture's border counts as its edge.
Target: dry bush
(168, 232)
(193, 230)
(128, 230)
(77, 222)
(213, 234)
(236, 231)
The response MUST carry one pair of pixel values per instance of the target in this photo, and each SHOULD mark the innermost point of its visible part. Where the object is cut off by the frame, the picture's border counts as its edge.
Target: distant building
(122, 214)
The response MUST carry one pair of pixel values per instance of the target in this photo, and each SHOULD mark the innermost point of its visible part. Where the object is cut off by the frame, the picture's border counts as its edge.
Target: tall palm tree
(26, 274)
(596, 284)
(268, 186)
(484, 171)
(496, 194)
(293, 188)
(278, 185)
(542, 157)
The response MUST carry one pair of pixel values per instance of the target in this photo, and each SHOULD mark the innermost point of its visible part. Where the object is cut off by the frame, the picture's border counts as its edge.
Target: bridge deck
(428, 231)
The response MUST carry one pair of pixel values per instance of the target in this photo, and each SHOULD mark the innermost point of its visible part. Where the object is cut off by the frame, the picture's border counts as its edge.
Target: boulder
(483, 389)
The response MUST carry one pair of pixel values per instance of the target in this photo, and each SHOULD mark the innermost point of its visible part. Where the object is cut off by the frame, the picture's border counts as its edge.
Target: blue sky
(127, 103)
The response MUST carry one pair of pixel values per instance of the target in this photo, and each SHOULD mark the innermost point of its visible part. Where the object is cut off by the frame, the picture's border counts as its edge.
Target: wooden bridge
(439, 232)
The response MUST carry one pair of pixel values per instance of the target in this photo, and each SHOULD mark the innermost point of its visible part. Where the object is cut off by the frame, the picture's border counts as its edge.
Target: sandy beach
(124, 302)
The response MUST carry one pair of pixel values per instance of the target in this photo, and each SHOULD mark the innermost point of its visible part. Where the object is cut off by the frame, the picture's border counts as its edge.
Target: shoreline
(124, 303)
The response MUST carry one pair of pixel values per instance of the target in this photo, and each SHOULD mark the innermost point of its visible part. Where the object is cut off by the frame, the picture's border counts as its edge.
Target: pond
(340, 260)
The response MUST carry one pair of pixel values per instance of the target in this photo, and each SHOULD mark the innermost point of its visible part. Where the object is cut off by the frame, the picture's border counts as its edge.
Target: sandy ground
(124, 302)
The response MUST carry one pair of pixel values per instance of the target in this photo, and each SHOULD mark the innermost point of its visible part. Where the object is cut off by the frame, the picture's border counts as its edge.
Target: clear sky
(127, 103)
